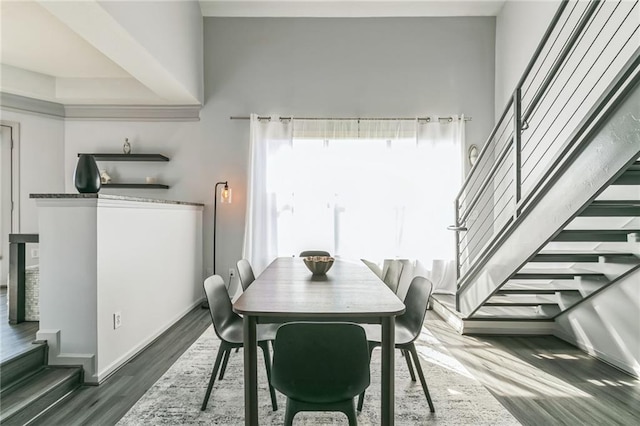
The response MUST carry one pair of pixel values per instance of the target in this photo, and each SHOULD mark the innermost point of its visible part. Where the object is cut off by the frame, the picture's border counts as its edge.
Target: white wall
(325, 67)
(519, 27)
(169, 30)
(607, 326)
(41, 155)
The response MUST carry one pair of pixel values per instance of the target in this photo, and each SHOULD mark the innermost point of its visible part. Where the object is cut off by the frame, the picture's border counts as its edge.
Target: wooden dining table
(287, 291)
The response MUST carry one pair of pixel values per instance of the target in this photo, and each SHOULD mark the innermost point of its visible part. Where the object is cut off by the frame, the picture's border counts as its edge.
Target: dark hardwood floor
(543, 380)
(105, 404)
(14, 339)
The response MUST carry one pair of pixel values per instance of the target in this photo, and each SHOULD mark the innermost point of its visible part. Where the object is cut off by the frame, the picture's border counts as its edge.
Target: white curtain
(268, 138)
(371, 189)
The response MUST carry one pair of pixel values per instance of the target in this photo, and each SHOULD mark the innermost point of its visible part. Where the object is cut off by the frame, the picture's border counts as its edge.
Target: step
(541, 291)
(22, 364)
(595, 235)
(29, 397)
(555, 274)
(581, 257)
(631, 176)
(627, 208)
(529, 312)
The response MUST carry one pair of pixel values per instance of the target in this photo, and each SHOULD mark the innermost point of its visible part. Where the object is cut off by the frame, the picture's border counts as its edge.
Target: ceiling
(41, 57)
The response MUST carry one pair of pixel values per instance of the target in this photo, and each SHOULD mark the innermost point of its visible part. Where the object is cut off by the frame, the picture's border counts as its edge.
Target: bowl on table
(318, 265)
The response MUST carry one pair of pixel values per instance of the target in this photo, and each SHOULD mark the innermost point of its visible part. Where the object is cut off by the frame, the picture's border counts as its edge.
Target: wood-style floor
(16, 338)
(543, 380)
(540, 380)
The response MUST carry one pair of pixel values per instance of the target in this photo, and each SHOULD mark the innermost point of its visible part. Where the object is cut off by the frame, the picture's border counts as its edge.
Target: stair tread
(536, 290)
(594, 235)
(556, 271)
(615, 203)
(23, 393)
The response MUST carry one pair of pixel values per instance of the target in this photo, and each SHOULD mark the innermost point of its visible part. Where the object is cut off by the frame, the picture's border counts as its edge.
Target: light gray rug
(176, 397)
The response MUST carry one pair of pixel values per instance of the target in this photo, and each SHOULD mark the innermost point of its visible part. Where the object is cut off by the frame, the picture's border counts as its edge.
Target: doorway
(9, 192)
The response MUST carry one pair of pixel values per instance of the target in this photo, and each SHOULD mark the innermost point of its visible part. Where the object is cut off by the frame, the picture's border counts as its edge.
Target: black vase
(86, 177)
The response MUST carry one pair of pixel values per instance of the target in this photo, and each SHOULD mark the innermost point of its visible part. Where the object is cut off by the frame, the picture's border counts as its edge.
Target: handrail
(535, 157)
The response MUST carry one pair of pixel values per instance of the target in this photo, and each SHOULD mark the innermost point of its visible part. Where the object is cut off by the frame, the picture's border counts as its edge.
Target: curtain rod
(427, 119)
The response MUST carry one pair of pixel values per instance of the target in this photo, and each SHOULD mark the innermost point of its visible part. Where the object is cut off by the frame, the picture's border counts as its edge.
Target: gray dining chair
(407, 330)
(307, 253)
(391, 274)
(373, 266)
(245, 273)
(320, 366)
(229, 329)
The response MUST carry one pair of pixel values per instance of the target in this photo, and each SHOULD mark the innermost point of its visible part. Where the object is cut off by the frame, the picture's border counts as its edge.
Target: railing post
(517, 151)
(456, 209)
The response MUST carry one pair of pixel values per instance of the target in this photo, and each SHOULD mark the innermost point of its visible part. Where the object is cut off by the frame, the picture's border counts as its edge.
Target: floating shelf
(135, 185)
(129, 157)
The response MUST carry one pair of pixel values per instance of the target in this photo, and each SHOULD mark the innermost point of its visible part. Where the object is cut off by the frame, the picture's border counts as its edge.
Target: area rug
(175, 399)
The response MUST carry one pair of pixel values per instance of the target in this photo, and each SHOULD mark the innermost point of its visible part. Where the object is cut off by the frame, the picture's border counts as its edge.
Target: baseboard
(105, 373)
(633, 371)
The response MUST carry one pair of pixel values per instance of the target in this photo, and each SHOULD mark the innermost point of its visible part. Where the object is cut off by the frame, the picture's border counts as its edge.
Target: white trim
(633, 370)
(12, 102)
(510, 327)
(87, 361)
(19, 103)
(133, 112)
(15, 174)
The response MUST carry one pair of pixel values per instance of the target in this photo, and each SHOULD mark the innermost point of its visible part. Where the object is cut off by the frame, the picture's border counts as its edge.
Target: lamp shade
(225, 195)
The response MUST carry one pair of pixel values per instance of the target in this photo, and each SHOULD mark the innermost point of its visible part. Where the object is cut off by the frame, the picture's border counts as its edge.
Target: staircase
(549, 216)
(29, 387)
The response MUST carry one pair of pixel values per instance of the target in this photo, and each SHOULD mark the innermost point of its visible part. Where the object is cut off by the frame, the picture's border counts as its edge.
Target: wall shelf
(135, 185)
(129, 157)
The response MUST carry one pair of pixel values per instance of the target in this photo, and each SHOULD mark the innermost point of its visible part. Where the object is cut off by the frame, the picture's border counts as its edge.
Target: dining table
(287, 291)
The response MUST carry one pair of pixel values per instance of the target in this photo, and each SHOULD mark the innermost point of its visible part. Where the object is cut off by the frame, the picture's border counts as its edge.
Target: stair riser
(22, 365)
(594, 211)
(44, 402)
(593, 236)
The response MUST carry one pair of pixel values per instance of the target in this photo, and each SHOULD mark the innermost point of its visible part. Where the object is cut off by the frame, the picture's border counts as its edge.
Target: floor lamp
(225, 198)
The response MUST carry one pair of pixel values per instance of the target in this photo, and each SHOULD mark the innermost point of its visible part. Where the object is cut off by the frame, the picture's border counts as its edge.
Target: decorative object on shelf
(151, 179)
(318, 265)
(127, 146)
(104, 177)
(86, 176)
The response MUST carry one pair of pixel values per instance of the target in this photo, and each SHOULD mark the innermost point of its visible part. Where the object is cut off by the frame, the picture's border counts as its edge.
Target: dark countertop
(115, 197)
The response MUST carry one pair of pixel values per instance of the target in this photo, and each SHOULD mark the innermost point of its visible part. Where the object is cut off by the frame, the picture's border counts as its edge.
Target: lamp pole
(215, 206)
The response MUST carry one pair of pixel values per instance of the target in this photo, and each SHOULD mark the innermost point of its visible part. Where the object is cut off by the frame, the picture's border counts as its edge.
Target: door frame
(14, 129)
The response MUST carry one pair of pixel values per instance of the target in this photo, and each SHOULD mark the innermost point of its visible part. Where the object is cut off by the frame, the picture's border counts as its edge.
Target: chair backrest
(320, 362)
(220, 306)
(245, 273)
(392, 275)
(415, 303)
(374, 267)
(314, 253)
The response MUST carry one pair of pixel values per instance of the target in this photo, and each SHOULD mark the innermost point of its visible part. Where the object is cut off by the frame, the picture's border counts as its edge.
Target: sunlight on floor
(504, 374)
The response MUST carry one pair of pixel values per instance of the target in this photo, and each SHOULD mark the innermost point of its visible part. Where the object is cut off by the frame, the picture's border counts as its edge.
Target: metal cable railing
(585, 47)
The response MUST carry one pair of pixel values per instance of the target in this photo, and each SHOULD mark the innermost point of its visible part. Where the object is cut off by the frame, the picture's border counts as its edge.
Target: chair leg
(416, 361)
(407, 358)
(290, 412)
(361, 396)
(350, 411)
(221, 351)
(225, 360)
(267, 365)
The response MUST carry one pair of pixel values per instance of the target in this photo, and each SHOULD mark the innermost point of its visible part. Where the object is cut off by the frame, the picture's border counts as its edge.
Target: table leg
(388, 347)
(250, 371)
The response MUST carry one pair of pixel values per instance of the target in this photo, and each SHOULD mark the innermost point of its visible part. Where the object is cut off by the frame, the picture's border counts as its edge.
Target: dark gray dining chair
(307, 253)
(245, 273)
(228, 327)
(407, 330)
(320, 366)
